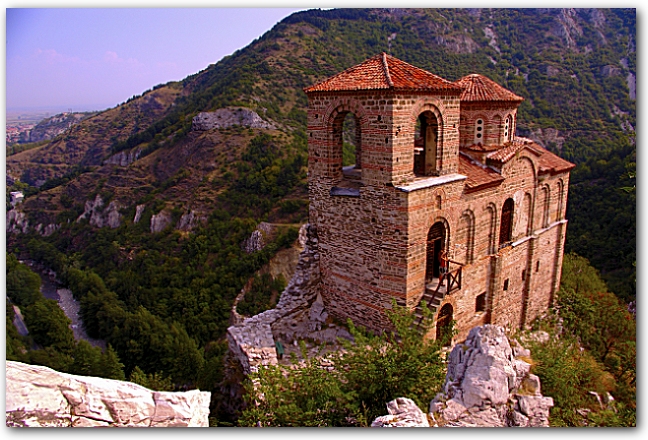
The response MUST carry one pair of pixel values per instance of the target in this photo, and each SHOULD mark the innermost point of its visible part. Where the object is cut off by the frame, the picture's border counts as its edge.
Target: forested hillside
(162, 299)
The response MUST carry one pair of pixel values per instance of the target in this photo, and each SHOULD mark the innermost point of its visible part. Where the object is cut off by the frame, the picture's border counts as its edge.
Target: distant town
(19, 124)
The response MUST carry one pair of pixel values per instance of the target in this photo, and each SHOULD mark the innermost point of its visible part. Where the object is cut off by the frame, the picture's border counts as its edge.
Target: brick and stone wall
(373, 220)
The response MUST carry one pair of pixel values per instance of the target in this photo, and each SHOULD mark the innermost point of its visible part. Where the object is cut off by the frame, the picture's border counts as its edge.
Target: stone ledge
(347, 192)
(430, 182)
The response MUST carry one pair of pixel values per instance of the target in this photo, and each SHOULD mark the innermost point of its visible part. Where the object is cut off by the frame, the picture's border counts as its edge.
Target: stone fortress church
(438, 168)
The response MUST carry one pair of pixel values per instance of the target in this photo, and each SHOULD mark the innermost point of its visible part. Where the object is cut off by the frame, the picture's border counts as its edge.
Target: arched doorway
(435, 244)
(425, 144)
(443, 324)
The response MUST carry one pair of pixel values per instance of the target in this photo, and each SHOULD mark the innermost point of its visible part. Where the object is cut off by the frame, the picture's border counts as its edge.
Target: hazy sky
(97, 58)
(91, 59)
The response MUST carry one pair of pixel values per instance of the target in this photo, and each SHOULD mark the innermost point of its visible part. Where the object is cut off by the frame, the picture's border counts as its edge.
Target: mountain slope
(575, 68)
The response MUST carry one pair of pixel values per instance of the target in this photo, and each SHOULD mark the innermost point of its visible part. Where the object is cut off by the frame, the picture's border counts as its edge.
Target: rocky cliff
(41, 397)
(229, 117)
(488, 384)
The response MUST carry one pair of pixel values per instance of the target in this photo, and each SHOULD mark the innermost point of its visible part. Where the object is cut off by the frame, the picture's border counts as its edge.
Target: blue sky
(92, 59)
(97, 58)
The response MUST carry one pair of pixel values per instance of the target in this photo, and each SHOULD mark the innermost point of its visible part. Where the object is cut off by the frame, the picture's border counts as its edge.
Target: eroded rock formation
(38, 396)
(488, 384)
(228, 117)
(100, 216)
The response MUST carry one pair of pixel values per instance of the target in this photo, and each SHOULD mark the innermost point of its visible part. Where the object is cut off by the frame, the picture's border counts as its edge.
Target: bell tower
(372, 218)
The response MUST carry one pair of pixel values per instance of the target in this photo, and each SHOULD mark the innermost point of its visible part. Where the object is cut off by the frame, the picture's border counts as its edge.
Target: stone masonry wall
(373, 224)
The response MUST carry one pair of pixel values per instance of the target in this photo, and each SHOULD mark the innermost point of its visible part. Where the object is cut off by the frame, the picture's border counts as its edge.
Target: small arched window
(508, 128)
(479, 131)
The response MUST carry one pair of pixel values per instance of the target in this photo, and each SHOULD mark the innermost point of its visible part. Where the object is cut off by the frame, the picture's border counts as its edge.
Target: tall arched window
(559, 208)
(506, 225)
(465, 238)
(347, 142)
(351, 141)
(508, 128)
(425, 144)
(545, 206)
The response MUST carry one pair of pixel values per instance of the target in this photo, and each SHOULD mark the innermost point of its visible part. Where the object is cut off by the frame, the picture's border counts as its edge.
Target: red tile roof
(478, 88)
(548, 163)
(383, 71)
(479, 176)
(503, 155)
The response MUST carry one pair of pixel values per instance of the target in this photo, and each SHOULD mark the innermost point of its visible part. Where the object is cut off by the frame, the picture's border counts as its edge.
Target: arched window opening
(508, 125)
(479, 131)
(525, 226)
(348, 142)
(492, 229)
(506, 225)
(559, 208)
(546, 206)
(465, 239)
(425, 144)
(436, 242)
(444, 325)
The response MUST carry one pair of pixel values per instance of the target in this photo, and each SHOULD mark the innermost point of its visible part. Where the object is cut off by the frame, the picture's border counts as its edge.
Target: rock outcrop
(189, 220)
(17, 221)
(488, 384)
(403, 413)
(160, 221)
(139, 210)
(123, 158)
(258, 239)
(100, 216)
(38, 396)
(228, 117)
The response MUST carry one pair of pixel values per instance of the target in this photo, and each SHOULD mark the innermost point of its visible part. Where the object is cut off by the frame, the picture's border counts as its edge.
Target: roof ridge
(386, 67)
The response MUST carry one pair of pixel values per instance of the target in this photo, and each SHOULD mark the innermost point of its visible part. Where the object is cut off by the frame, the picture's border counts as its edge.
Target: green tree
(87, 359)
(152, 381)
(372, 370)
(109, 365)
(49, 326)
(23, 285)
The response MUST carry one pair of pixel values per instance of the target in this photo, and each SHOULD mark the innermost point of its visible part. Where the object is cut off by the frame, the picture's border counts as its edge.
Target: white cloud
(111, 57)
(51, 56)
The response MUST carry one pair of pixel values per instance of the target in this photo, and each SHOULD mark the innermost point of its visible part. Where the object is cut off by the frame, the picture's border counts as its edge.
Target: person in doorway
(444, 262)
(444, 266)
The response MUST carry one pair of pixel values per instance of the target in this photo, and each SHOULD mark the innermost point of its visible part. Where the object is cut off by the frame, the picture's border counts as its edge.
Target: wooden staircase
(435, 291)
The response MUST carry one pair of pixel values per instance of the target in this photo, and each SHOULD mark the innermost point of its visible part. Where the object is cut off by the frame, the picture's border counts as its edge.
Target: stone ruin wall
(300, 314)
